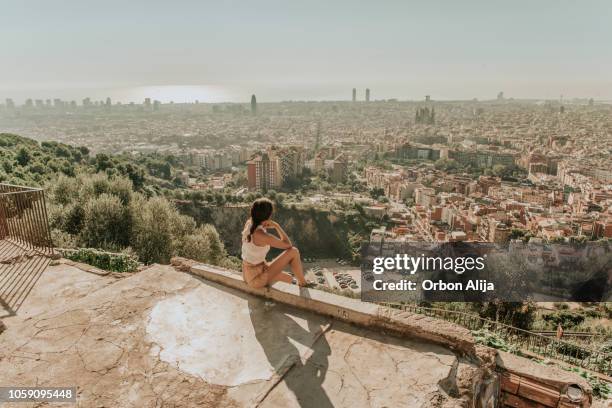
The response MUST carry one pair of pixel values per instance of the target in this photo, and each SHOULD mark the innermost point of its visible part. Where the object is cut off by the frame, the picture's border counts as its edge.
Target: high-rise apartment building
(339, 169)
(262, 173)
(354, 94)
(272, 168)
(319, 162)
(367, 93)
(425, 116)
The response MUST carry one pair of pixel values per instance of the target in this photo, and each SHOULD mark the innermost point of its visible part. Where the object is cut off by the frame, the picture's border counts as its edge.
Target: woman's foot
(307, 284)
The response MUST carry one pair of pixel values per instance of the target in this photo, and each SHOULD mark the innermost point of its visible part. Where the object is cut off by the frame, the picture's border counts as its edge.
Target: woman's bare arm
(281, 233)
(262, 238)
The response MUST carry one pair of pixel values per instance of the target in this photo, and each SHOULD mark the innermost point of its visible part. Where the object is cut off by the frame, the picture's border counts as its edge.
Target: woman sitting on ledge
(256, 242)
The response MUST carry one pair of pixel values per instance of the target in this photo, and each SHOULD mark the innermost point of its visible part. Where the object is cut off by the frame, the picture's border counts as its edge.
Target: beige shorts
(255, 276)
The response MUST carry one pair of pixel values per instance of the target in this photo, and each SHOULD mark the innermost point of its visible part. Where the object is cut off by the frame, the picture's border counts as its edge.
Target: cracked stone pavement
(163, 338)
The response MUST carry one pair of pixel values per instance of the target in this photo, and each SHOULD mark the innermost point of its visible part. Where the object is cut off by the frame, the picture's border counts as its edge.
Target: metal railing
(23, 218)
(519, 339)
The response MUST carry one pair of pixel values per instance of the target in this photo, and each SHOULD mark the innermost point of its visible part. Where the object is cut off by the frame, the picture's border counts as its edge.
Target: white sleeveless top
(251, 253)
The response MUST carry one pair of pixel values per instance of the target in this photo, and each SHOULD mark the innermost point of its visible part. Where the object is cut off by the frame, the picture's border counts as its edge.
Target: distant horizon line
(247, 100)
(241, 93)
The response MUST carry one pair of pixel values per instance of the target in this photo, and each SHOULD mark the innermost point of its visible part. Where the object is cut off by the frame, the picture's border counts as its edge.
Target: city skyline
(191, 95)
(316, 51)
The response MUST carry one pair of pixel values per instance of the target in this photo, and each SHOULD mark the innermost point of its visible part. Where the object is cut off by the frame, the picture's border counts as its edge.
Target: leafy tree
(103, 162)
(516, 233)
(564, 318)
(158, 229)
(499, 170)
(447, 165)
(106, 223)
(7, 167)
(134, 173)
(203, 245)
(517, 314)
(23, 156)
(376, 192)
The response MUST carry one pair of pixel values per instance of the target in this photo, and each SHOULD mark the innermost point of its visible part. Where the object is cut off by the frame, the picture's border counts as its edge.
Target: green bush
(117, 262)
(203, 245)
(521, 315)
(492, 339)
(108, 202)
(104, 212)
(573, 350)
(564, 318)
(106, 223)
(156, 224)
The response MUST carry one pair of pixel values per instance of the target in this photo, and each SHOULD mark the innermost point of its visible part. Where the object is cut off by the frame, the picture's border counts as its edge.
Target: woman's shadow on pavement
(275, 330)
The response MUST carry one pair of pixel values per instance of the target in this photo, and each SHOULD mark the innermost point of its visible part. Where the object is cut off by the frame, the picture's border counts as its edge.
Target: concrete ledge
(524, 380)
(354, 311)
(85, 267)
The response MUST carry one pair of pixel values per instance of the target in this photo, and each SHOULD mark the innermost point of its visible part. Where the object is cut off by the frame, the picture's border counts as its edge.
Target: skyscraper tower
(253, 104)
(427, 98)
(318, 136)
(367, 94)
(354, 94)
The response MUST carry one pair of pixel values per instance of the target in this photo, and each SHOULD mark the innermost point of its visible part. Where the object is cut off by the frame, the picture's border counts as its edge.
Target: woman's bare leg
(289, 257)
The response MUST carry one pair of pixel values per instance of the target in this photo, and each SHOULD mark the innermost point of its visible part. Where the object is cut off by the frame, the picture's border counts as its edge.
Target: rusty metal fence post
(23, 218)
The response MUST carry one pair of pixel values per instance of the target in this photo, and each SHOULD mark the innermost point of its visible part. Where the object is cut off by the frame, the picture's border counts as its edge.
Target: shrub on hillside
(521, 315)
(152, 231)
(203, 245)
(564, 318)
(106, 223)
(117, 262)
(104, 212)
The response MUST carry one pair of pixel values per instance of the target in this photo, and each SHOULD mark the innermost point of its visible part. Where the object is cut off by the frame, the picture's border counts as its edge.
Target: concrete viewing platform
(166, 336)
(163, 337)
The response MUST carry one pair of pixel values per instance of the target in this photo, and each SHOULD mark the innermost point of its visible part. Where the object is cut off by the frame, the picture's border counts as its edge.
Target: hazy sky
(214, 50)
